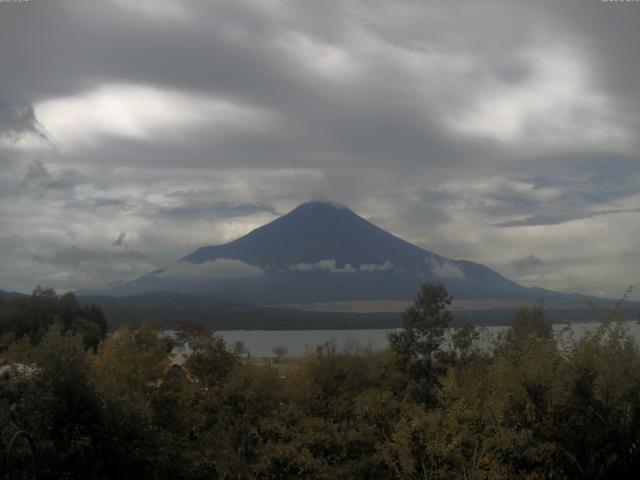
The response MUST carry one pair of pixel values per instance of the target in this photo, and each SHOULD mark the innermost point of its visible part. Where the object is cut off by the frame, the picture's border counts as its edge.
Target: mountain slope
(323, 252)
(320, 236)
(9, 295)
(311, 233)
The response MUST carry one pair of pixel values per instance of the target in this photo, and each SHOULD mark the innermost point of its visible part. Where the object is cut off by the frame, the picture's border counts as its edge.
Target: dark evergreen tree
(417, 344)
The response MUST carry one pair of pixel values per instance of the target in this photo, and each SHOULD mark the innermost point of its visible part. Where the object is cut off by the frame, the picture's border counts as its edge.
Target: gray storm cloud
(190, 123)
(530, 262)
(218, 269)
(447, 270)
(18, 120)
(330, 265)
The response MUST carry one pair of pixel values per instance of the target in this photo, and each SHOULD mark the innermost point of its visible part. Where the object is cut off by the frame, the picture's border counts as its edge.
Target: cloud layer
(132, 133)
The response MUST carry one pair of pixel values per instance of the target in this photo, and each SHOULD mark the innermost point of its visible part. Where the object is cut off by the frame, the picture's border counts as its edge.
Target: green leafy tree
(209, 360)
(529, 324)
(126, 374)
(33, 316)
(464, 341)
(417, 344)
(56, 401)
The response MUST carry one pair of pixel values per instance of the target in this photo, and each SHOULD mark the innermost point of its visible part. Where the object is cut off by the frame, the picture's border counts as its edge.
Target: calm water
(262, 342)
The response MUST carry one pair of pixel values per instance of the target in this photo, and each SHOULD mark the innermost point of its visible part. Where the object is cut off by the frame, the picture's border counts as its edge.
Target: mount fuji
(324, 252)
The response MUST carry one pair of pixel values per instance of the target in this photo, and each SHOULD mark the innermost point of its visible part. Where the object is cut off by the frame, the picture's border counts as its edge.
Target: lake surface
(261, 343)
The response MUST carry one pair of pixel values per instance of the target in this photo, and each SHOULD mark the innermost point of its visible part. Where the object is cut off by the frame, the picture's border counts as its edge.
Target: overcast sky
(502, 132)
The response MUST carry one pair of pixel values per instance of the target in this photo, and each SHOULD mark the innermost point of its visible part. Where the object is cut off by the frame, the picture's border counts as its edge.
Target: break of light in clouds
(503, 132)
(141, 113)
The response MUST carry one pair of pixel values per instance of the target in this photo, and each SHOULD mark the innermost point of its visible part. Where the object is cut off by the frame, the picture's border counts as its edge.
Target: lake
(261, 343)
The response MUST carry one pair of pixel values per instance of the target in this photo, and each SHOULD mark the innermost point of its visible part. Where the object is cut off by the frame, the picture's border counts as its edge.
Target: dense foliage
(431, 406)
(32, 317)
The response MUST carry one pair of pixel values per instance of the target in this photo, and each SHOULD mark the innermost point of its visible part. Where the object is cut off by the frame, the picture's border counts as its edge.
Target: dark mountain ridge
(311, 233)
(6, 295)
(322, 252)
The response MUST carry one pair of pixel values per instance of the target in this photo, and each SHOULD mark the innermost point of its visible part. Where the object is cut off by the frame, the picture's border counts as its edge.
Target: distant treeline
(32, 316)
(168, 310)
(528, 407)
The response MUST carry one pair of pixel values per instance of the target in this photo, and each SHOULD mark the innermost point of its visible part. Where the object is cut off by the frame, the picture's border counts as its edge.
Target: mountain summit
(315, 232)
(320, 252)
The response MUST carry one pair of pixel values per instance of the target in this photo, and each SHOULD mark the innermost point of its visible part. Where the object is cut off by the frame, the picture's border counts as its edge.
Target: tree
(279, 352)
(418, 343)
(209, 359)
(464, 341)
(192, 332)
(33, 316)
(57, 403)
(125, 373)
(239, 348)
(529, 324)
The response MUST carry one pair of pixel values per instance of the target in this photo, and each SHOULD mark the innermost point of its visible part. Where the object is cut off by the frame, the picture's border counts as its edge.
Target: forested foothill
(132, 404)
